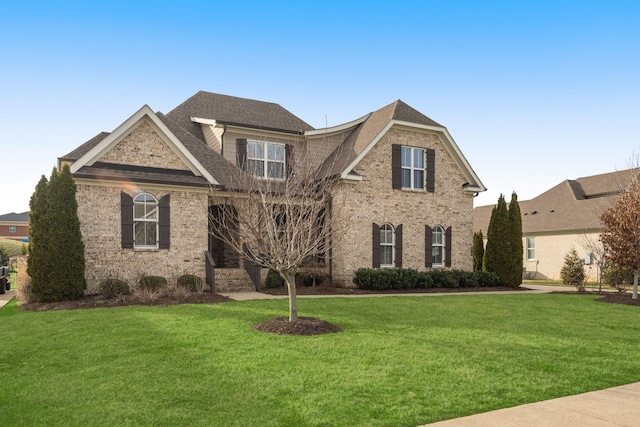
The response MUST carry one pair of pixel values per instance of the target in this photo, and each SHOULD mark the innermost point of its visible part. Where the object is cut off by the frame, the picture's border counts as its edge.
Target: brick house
(144, 189)
(14, 226)
(565, 216)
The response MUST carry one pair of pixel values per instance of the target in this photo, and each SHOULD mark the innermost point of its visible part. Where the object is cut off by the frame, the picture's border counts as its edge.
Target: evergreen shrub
(273, 280)
(401, 278)
(112, 288)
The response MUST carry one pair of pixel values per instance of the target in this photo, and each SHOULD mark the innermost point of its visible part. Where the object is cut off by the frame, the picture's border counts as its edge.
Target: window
(12, 229)
(266, 159)
(387, 245)
(437, 246)
(145, 221)
(413, 171)
(531, 248)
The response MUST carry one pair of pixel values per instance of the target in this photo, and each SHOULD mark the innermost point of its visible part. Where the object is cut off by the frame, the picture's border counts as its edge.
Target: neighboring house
(564, 217)
(143, 190)
(14, 226)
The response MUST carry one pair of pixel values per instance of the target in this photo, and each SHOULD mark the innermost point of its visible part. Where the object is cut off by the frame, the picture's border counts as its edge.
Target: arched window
(437, 246)
(145, 221)
(387, 245)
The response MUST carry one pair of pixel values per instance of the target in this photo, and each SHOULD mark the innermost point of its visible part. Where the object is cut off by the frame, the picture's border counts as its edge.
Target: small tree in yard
(278, 223)
(572, 272)
(496, 251)
(514, 277)
(621, 236)
(478, 250)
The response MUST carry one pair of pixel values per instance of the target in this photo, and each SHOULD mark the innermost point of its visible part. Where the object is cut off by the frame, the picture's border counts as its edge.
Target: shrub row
(407, 278)
(305, 278)
(112, 288)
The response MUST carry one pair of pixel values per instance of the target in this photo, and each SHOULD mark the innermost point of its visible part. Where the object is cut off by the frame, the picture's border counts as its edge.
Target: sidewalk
(617, 406)
(6, 297)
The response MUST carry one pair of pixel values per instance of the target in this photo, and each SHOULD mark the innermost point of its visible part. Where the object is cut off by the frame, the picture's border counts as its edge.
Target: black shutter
(126, 219)
(428, 246)
(396, 166)
(375, 237)
(164, 222)
(399, 246)
(287, 160)
(241, 153)
(431, 170)
(447, 247)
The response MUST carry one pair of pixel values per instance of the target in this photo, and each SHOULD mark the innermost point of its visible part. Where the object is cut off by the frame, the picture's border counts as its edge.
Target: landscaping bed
(333, 290)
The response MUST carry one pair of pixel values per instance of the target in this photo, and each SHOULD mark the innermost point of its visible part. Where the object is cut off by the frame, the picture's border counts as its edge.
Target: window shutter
(396, 166)
(287, 160)
(447, 247)
(399, 246)
(241, 153)
(126, 219)
(431, 170)
(428, 244)
(376, 245)
(164, 222)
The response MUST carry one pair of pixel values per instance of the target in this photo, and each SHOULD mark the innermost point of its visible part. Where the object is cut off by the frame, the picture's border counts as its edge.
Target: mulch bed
(302, 326)
(619, 298)
(99, 301)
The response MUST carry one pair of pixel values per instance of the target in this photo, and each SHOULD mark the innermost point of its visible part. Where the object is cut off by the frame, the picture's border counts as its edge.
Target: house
(564, 217)
(143, 190)
(14, 226)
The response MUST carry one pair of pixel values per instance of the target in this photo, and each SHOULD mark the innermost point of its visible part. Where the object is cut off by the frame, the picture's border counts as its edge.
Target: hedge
(407, 278)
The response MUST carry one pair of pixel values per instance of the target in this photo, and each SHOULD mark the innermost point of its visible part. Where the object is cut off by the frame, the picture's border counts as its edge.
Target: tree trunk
(635, 285)
(290, 279)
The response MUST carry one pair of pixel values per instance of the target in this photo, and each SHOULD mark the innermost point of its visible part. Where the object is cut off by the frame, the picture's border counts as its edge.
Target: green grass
(400, 361)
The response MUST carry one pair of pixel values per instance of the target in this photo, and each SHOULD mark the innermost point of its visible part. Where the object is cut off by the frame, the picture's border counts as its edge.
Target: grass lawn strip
(400, 361)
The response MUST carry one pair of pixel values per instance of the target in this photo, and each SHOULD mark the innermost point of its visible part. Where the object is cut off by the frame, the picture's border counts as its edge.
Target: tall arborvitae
(497, 251)
(56, 251)
(514, 278)
(37, 250)
(478, 250)
(68, 269)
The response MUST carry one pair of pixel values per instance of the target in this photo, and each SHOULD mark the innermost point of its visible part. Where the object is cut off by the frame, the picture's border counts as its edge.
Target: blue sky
(533, 92)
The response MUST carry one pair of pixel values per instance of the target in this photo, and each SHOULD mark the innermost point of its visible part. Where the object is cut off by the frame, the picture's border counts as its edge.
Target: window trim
(392, 245)
(438, 229)
(412, 169)
(139, 220)
(265, 159)
(13, 229)
(531, 248)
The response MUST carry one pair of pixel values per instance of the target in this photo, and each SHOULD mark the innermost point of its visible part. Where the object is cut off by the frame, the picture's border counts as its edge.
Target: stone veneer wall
(99, 214)
(373, 200)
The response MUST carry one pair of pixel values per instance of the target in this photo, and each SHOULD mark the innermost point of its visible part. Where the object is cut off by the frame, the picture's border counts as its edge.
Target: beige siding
(372, 200)
(550, 252)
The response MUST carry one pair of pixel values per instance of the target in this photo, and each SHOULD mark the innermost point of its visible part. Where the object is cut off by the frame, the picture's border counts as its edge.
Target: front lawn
(400, 361)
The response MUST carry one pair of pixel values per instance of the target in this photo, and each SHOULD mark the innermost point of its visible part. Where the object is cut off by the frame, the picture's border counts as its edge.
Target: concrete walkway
(6, 297)
(617, 406)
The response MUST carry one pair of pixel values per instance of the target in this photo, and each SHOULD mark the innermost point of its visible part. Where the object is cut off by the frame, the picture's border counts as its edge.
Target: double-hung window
(531, 248)
(413, 170)
(145, 221)
(387, 245)
(12, 229)
(266, 159)
(437, 246)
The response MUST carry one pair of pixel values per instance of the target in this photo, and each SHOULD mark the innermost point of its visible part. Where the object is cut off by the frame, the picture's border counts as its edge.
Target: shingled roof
(231, 110)
(572, 205)
(15, 217)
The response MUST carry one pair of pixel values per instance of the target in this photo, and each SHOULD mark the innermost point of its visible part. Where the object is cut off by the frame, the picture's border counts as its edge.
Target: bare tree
(593, 246)
(621, 236)
(278, 219)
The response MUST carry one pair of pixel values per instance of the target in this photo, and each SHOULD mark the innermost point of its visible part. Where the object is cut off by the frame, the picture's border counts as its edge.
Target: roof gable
(377, 124)
(91, 152)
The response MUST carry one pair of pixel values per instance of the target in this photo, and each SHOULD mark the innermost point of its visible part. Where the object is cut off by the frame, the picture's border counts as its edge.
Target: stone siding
(144, 147)
(99, 214)
(372, 200)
